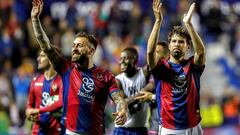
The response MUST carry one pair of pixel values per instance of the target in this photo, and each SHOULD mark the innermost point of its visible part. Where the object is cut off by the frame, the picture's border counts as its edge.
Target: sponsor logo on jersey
(38, 84)
(87, 89)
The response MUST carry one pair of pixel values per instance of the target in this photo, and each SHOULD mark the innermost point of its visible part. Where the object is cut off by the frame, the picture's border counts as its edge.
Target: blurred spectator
(231, 108)
(213, 19)
(72, 13)
(211, 112)
(67, 40)
(21, 82)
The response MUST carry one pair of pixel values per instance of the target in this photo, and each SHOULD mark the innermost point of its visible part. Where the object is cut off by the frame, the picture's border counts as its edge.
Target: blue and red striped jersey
(84, 97)
(178, 87)
(41, 91)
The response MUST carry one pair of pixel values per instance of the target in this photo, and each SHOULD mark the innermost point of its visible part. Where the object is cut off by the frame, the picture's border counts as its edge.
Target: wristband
(153, 97)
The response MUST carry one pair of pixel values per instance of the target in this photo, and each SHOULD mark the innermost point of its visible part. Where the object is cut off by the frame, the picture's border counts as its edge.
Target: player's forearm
(118, 98)
(122, 105)
(41, 36)
(152, 42)
(129, 100)
(53, 107)
(198, 45)
(149, 87)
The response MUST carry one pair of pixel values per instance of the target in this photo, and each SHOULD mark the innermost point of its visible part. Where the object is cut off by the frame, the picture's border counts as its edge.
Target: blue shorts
(130, 131)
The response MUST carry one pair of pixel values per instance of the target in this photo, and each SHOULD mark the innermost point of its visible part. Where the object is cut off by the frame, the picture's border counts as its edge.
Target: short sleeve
(157, 71)
(196, 68)
(112, 84)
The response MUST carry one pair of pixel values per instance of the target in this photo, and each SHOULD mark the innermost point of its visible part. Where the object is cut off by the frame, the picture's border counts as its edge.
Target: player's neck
(131, 73)
(90, 64)
(86, 64)
(176, 61)
(50, 73)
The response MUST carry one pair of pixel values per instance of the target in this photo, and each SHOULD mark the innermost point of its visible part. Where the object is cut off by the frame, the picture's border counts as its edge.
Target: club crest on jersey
(54, 87)
(180, 84)
(99, 76)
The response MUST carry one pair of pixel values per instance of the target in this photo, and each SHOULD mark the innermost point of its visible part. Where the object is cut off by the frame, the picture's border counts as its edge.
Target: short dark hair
(162, 43)
(91, 38)
(179, 30)
(132, 50)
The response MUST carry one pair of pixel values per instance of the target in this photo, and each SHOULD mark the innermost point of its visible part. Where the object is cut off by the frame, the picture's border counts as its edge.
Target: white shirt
(138, 114)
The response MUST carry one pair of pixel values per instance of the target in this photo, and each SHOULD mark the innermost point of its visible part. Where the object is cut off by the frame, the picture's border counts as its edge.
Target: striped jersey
(41, 91)
(177, 93)
(84, 97)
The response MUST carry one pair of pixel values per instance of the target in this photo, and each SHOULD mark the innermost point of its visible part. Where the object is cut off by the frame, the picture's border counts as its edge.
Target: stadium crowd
(118, 24)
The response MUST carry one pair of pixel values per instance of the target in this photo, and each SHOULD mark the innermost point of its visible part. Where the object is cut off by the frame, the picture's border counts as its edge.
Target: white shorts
(197, 130)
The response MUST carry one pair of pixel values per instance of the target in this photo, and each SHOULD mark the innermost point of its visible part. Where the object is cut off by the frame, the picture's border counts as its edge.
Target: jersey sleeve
(196, 68)
(31, 96)
(112, 84)
(57, 105)
(157, 71)
(63, 66)
(60, 64)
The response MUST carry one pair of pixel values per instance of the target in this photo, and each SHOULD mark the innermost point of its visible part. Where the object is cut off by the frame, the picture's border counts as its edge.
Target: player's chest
(46, 88)
(87, 83)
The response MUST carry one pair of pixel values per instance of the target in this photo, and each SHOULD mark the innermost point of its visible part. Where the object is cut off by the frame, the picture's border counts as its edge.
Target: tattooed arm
(121, 114)
(41, 36)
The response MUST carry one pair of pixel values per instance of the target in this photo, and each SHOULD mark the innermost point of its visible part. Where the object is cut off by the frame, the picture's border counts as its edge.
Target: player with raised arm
(86, 86)
(40, 105)
(179, 77)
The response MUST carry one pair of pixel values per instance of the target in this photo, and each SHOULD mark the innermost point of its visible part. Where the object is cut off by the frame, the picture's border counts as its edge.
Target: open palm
(37, 8)
(157, 5)
(187, 17)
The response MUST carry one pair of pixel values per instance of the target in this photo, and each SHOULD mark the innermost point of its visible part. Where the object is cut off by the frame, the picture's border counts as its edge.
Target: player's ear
(92, 50)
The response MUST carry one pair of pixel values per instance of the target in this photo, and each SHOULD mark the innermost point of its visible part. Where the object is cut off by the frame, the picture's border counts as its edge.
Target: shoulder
(58, 79)
(194, 66)
(38, 77)
(103, 74)
(104, 71)
(162, 64)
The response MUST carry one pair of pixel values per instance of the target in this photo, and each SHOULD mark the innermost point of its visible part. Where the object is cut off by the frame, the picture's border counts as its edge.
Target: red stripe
(167, 105)
(192, 102)
(73, 100)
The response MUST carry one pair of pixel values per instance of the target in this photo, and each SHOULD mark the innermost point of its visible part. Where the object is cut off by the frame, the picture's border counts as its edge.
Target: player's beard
(82, 60)
(177, 54)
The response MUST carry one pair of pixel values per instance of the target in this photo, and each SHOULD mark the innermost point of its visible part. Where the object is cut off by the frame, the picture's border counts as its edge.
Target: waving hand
(37, 6)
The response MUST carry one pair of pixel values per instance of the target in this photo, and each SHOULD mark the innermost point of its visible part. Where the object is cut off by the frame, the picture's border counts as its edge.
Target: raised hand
(157, 10)
(37, 6)
(187, 17)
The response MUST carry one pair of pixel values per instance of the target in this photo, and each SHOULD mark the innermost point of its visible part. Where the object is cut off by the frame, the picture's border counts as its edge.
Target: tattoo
(44, 43)
(41, 35)
(118, 98)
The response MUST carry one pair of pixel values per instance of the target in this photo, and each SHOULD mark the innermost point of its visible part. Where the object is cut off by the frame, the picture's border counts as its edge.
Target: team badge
(99, 76)
(54, 87)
